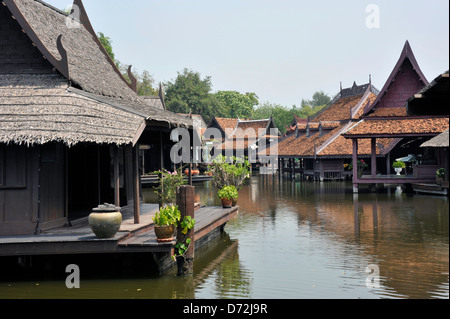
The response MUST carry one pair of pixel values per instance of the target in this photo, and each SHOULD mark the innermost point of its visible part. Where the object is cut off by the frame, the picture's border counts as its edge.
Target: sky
(282, 50)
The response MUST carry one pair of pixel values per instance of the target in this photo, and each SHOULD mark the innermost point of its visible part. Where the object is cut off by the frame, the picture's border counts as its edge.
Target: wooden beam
(116, 176)
(136, 184)
(373, 157)
(185, 202)
(355, 165)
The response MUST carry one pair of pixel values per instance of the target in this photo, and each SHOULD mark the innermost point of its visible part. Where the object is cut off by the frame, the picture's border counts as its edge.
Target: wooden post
(136, 186)
(185, 202)
(355, 165)
(373, 157)
(116, 176)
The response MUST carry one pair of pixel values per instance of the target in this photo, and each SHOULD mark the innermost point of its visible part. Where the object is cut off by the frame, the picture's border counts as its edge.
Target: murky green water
(296, 240)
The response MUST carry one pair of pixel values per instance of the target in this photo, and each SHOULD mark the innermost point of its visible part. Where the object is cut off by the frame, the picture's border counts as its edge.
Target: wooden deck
(149, 180)
(130, 238)
(393, 179)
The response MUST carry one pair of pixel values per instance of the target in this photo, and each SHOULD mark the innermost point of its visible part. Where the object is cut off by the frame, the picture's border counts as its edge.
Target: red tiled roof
(399, 127)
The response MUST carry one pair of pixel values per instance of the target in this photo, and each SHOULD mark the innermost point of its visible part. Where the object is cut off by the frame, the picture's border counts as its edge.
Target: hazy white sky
(282, 50)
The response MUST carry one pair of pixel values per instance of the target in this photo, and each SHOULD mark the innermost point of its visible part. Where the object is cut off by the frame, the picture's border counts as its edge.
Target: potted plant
(361, 166)
(227, 194)
(165, 222)
(398, 166)
(168, 183)
(440, 176)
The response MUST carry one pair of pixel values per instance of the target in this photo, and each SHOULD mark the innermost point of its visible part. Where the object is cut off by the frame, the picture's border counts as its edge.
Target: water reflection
(324, 235)
(295, 240)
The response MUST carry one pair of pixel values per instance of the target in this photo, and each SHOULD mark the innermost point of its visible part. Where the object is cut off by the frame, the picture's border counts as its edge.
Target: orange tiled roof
(399, 127)
(340, 110)
(389, 112)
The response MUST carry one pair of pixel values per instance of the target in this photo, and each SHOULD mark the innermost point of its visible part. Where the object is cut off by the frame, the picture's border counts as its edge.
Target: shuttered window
(12, 166)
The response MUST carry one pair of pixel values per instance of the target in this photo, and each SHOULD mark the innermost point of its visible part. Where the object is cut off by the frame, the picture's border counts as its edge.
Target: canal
(295, 240)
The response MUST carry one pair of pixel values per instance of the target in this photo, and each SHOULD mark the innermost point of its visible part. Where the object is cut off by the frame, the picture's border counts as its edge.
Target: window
(12, 166)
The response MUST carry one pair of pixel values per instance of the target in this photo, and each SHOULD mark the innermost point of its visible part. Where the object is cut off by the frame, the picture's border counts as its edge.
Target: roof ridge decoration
(407, 54)
(84, 20)
(88, 61)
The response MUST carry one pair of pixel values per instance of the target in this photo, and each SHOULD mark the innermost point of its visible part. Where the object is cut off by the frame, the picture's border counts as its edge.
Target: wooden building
(244, 137)
(410, 110)
(70, 124)
(316, 147)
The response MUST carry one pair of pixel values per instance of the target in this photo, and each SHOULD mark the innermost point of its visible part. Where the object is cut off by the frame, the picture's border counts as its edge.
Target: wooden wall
(17, 53)
(32, 188)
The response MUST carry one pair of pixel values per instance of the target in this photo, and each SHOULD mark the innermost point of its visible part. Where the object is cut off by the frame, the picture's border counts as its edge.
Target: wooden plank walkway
(207, 219)
(130, 238)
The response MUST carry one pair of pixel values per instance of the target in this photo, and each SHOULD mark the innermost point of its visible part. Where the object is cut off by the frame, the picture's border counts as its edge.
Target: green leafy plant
(228, 192)
(168, 184)
(181, 247)
(229, 171)
(441, 172)
(167, 215)
(398, 164)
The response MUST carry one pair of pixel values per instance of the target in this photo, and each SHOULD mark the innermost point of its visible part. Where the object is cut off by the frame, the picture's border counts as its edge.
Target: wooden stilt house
(317, 149)
(410, 110)
(70, 124)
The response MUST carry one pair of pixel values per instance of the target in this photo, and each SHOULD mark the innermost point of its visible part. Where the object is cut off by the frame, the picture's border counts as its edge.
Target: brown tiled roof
(399, 127)
(226, 123)
(389, 112)
(340, 110)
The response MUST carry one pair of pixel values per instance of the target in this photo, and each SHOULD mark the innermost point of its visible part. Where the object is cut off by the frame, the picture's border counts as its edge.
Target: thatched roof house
(70, 124)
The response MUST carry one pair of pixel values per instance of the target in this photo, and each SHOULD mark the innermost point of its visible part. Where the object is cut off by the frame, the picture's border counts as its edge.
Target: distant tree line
(190, 93)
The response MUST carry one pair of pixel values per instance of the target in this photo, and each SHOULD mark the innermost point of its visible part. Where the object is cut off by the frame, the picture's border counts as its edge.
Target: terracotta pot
(227, 203)
(105, 221)
(164, 233)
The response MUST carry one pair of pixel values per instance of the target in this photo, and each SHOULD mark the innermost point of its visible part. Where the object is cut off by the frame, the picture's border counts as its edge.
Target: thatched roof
(88, 65)
(438, 141)
(36, 109)
(86, 100)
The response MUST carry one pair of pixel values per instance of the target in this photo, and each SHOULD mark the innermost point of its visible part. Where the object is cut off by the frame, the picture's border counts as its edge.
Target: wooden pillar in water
(185, 202)
(355, 165)
(373, 156)
(292, 162)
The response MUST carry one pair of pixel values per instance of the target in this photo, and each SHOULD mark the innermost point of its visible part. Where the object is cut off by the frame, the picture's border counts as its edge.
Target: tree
(233, 104)
(318, 99)
(144, 80)
(107, 44)
(282, 116)
(190, 93)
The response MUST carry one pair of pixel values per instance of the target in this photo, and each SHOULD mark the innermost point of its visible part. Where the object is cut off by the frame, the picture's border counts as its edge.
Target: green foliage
(228, 192)
(441, 172)
(187, 223)
(362, 165)
(318, 99)
(107, 44)
(283, 116)
(233, 104)
(398, 164)
(190, 93)
(181, 247)
(167, 215)
(229, 171)
(168, 184)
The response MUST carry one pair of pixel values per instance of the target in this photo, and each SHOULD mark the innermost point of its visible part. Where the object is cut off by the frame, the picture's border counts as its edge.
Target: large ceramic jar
(105, 220)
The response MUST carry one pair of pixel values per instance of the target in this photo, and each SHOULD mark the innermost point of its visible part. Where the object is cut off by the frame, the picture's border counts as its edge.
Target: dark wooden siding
(406, 84)
(18, 190)
(17, 52)
(29, 175)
